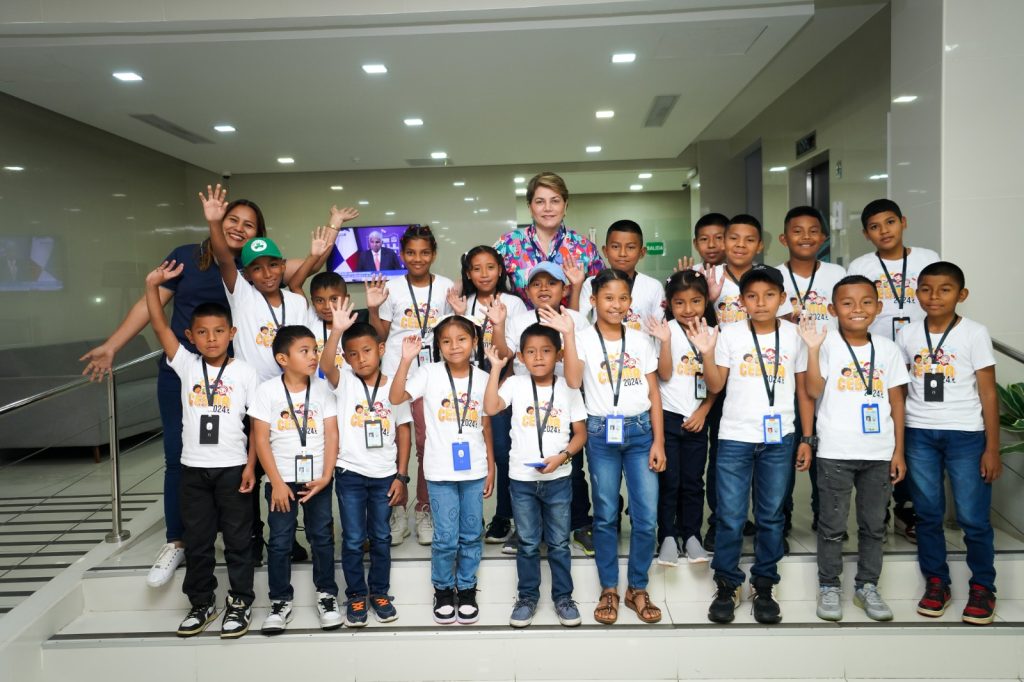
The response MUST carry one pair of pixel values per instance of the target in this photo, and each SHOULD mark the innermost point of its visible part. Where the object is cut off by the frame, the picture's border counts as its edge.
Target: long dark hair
(205, 255)
(468, 288)
(467, 326)
(685, 280)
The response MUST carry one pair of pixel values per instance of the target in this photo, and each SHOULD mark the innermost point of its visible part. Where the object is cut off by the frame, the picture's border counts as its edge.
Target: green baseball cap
(259, 247)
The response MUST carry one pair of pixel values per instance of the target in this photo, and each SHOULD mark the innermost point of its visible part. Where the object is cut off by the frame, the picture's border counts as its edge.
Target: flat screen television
(29, 264)
(359, 253)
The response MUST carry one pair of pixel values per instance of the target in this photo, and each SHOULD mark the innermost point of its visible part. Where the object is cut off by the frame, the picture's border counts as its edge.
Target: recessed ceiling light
(436, 222)
(364, 202)
(224, 128)
(521, 191)
(593, 149)
(623, 58)
(285, 160)
(605, 113)
(904, 99)
(14, 168)
(375, 68)
(635, 188)
(413, 122)
(469, 199)
(118, 195)
(337, 188)
(459, 183)
(439, 155)
(878, 176)
(484, 210)
(127, 76)
(519, 179)
(777, 169)
(443, 228)
(644, 176)
(389, 213)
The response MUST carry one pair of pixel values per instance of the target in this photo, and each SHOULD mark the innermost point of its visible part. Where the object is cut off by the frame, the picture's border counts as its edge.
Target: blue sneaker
(522, 613)
(568, 613)
(383, 610)
(355, 612)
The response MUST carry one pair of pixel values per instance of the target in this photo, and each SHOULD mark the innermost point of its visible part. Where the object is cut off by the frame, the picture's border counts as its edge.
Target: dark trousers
(318, 513)
(211, 503)
(579, 508)
(168, 396)
(812, 472)
(713, 421)
(681, 484)
(501, 438)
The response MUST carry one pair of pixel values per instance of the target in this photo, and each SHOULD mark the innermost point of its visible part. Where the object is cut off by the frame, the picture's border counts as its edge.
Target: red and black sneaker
(935, 600)
(981, 606)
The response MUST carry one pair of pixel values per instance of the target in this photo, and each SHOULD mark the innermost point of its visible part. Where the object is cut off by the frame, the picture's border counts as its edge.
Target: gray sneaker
(522, 613)
(669, 553)
(695, 552)
(568, 613)
(868, 598)
(830, 605)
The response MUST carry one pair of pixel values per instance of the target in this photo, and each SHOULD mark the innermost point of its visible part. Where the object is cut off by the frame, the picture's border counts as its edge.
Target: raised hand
(497, 312)
(214, 203)
(456, 300)
(701, 335)
(343, 314)
(323, 240)
(573, 271)
(165, 272)
(340, 216)
(714, 283)
(376, 291)
(560, 322)
(497, 362)
(410, 347)
(809, 332)
(684, 263)
(659, 329)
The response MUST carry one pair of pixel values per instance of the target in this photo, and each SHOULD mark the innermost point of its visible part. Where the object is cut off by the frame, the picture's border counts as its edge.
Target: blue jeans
(930, 453)
(168, 395)
(541, 512)
(766, 468)
(365, 514)
(458, 511)
(501, 440)
(317, 513)
(607, 464)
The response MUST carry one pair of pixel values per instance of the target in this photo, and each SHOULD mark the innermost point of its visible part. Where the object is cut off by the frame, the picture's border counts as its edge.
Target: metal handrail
(1008, 351)
(117, 532)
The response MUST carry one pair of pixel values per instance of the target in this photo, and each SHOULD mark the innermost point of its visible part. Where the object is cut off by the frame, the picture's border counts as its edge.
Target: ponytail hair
(606, 277)
(685, 280)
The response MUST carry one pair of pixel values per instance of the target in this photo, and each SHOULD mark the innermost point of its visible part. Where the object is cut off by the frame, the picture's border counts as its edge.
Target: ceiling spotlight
(606, 113)
(878, 176)
(413, 122)
(389, 213)
(623, 58)
(635, 188)
(337, 188)
(285, 160)
(777, 169)
(375, 68)
(224, 128)
(644, 176)
(364, 202)
(904, 99)
(520, 191)
(438, 155)
(118, 195)
(484, 210)
(593, 149)
(469, 199)
(127, 76)
(14, 169)
(459, 183)
(519, 179)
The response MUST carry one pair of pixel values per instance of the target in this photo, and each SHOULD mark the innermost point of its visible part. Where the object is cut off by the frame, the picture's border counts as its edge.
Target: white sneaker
(278, 619)
(169, 558)
(399, 526)
(424, 527)
(695, 552)
(327, 607)
(669, 554)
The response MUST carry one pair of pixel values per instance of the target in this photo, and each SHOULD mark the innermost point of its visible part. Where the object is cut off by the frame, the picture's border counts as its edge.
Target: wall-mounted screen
(359, 253)
(29, 264)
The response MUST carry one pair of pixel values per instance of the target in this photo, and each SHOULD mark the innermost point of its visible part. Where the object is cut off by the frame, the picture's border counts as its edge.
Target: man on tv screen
(379, 257)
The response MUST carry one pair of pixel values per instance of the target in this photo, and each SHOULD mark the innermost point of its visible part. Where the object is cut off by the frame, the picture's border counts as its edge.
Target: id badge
(700, 387)
(209, 429)
(934, 384)
(425, 356)
(374, 432)
(899, 323)
(772, 429)
(460, 456)
(870, 419)
(303, 468)
(615, 430)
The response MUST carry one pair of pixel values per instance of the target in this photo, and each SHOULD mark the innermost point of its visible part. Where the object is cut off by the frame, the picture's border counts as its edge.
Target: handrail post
(117, 533)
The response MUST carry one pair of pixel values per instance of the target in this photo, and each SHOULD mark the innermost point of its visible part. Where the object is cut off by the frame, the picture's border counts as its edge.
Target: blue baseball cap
(550, 268)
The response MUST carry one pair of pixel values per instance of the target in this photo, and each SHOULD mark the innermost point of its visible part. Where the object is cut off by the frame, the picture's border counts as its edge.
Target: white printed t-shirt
(257, 326)
(638, 361)
(271, 406)
(648, 301)
(400, 311)
(514, 306)
(679, 394)
(515, 326)
(816, 291)
(566, 408)
(353, 412)
(321, 330)
(729, 306)
(870, 266)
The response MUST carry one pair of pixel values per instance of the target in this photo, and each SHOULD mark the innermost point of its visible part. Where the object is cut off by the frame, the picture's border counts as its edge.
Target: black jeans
(211, 503)
(579, 509)
(812, 472)
(713, 422)
(681, 484)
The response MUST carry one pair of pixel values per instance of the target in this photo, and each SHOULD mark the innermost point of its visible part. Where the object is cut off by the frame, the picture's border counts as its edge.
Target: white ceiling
(496, 85)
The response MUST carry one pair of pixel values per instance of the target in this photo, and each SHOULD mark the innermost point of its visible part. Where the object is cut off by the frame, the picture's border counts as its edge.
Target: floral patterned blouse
(521, 251)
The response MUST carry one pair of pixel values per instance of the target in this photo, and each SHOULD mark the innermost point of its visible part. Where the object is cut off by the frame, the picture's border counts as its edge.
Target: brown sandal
(607, 611)
(640, 601)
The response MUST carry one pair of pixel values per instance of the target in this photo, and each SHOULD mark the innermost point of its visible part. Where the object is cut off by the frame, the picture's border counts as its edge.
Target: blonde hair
(550, 180)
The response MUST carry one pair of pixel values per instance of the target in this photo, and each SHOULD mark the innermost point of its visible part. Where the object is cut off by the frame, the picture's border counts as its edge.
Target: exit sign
(655, 248)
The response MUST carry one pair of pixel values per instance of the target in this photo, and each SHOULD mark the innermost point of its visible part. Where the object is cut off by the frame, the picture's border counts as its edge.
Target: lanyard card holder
(934, 385)
(870, 419)
(899, 323)
(425, 356)
(772, 429)
(374, 433)
(615, 429)
(700, 387)
(209, 429)
(460, 456)
(303, 467)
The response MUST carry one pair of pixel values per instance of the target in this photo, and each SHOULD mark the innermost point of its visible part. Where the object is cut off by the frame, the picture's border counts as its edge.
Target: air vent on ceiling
(661, 107)
(417, 163)
(171, 128)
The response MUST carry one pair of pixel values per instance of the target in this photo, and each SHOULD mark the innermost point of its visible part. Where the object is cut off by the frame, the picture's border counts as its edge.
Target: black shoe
(906, 523)
(468, 611)
(498, 531)
(299, 552)
(749, 528)
(444, 606)
(584, 539)
(766, 608)
(237, 617)
(727, 598)
(709, 539)
(197, 619)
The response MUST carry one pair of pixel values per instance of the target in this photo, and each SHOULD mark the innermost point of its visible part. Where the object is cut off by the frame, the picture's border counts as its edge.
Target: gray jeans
(837, 479)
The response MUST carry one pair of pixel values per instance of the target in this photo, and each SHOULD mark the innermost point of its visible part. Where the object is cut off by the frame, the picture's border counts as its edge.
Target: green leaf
(1013, 447)
(1017, 393)
(1012, 398)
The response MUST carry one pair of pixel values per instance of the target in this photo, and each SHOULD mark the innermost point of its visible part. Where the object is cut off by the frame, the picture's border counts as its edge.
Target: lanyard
(324, 323)
(455, 396)
(616, 384)
(211, 391)
(305, 411)
(901, 298)
(942, 339)
(856, 363)
(731, 276)
(371, 400)
(556, 243)
(541, 425)
(696, 353)
(416, 306)
(769, 386)
(810, 285)
(272, 315)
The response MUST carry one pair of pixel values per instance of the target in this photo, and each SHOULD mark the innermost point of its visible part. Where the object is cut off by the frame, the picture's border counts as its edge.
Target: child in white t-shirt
(547, 430)
(743, 241)
(458, 462)
(617, 368)
(295, 430)
(859, 379)
(217, 475)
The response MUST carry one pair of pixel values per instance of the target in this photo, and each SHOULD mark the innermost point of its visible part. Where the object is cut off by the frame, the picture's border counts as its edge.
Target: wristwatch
(568, 457)
(810, 440)
(403, 478)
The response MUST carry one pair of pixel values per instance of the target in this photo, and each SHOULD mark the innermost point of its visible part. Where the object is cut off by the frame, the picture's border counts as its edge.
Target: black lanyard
(541, 425)
(272, 315)
(324, 323)
(696, 353)
(371, 400)
(856, 363)
(556, 244)
(769, 386)
(942, 339)
(731, 276)
(305, 411)
(900, 297)
(455, 396)
(415, 306)
(616, 384)
(810, 284)
(211, 391)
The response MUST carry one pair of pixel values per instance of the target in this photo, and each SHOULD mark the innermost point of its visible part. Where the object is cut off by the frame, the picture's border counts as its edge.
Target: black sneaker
(498, 531)
(444, 606)
(727, 598)
(299, 552)
(197, 619)
(468, 611)
(981, 606)
(511, 545)
(766, 608)
(236, 619)
(584, 539)
(709, 539)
